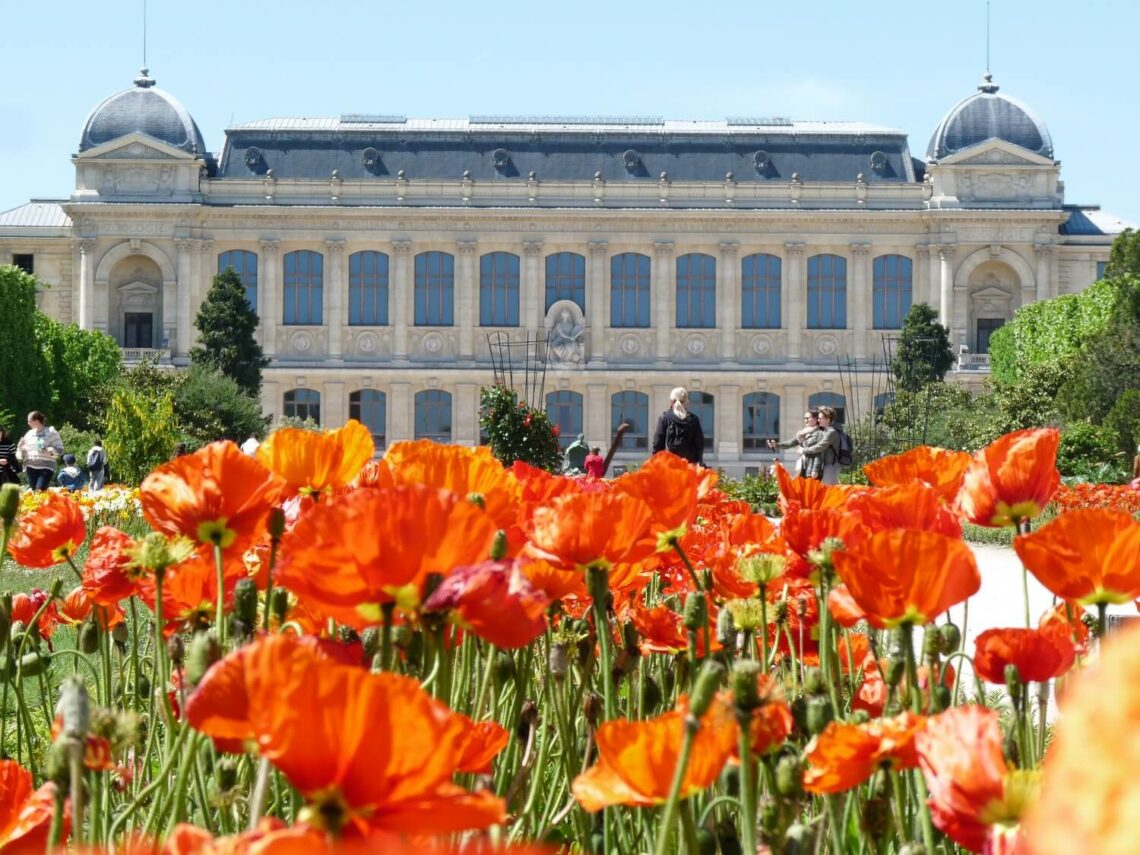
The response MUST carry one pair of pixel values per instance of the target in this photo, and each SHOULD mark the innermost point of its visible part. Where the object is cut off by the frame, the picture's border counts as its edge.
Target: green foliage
(226, 324)
(1124, 420)
(954, 418)
(210, 406)
(80, 364)
(1030, 400)
(760, 491)
(294, 422)
(1103, 370)
(141, 433)
(923, 355)
(517, 432)
(1087, 447)
(23, 368)
(1124, 257)
(78, 441)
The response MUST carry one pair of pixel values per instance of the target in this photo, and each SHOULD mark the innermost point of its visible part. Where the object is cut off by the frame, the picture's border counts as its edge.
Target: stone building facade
(746, 259)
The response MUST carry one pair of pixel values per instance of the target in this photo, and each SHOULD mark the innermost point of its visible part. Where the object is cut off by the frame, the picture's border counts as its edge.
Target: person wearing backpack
(822, 453)
(97, 465)
(679, 431)
(39, 451)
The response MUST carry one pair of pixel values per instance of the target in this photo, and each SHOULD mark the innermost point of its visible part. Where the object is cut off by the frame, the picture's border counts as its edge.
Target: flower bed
(1124, 497)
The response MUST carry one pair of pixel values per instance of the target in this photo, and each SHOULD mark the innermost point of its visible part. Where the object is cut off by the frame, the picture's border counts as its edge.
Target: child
(70, 477)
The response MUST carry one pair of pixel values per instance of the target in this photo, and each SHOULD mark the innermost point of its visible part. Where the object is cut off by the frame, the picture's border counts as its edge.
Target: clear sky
(890, 63)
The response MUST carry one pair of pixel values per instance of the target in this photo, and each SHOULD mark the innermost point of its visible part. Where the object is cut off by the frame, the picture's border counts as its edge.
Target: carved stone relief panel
(369, 342)
(310, 342)
(428, 343)
(696, 346)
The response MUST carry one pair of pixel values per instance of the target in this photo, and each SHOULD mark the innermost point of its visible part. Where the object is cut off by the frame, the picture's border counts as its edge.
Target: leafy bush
(1124, 420)
(517, 432)
(210, 406)
(141, 434)
(1086, 450)
(760, 491)
(80, 363)
(294, 422)
(24, 380)
(77, 442)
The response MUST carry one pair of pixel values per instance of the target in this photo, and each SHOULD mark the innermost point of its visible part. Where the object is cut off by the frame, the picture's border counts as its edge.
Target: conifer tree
(923, 355)
(226, 324)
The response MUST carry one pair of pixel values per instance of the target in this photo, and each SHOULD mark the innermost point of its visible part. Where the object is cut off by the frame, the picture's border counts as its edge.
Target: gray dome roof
(144, 109)
(988, 115)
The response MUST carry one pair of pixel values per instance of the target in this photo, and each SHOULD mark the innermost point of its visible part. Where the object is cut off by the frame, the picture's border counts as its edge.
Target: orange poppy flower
(190, 592)
(77, 606)
(915, 505)
(578, 530)
(108, 574)
(555, 582)
(1090, 786)
(1063, 621)
(480, 744)
(1086, 556)
(25, 812)
(1038, 655)
(808, 492)
(845, 755)
(662, 630)
(347, 556)
(636, 759)
(843, 607)
(971, 789)
(341, 736)
(495, 601)
(217, 495)
(904, 576)
(310, 461)
(25, 607)
(670, 486)
(49, 534)
(772, 721)
(1011, 479)
(938, 468)
(805, 529)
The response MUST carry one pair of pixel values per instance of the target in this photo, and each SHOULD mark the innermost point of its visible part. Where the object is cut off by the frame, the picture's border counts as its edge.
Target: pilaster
(664, 298)
(465, 416)
(532, 292)
(269, 305)
(920, 292)
(466, 298)
(946, 253)
(596, 299)
(728, 298)
(334, 407)
(1044, 253)
(861, 292)
(86, 284)
(597, 416)
(794, 295)
(401, 296)
(337, 298)
(400, 411)
(792, 408)
(729, 422)
(176, 313)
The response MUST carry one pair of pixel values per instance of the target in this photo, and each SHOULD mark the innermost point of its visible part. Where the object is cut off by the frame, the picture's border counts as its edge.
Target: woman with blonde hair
(679, 431)
(821, 453)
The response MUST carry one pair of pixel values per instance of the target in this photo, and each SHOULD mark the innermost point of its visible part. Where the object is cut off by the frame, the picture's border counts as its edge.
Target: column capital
(206, 245)
(335, 246)
(401, 247)
(861, 249)
(947, 251)
(183, 244)
(794, 248)
(663, 247)
(1043, 250)
(532, 247)
(269, 246)
(598, 247)
(467, 247)
(922, 250)
(86, 245)
(729, 248)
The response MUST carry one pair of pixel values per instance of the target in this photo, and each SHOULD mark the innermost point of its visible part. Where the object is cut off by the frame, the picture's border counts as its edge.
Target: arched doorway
(994, 294)
(135, 298)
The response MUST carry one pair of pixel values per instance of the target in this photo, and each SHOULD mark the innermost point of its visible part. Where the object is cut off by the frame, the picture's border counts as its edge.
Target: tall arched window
(565, 410)
(761, 420)
(433, 415)
(304, 287)
(499, 289)
(303, 404)
(830, 399)
(565, 279)
(629, 290)
(827, 292)
(703, 405)
(633, 409)
(370, 408)
(368, 289)
(435, 289)
(760, 291)
(891, 291)
(696, 290)
(244, 264)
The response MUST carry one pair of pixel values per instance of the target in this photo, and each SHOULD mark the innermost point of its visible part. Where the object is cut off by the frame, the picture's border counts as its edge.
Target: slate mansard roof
(486, 148)
(143, 109)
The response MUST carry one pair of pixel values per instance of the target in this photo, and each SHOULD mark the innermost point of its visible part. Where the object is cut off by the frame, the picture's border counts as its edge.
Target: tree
(140, 433)
(209, 406)
(1124, 257)
(23, 369)
(80, 363)
(923, 355)
(518, 432)
(226, 324)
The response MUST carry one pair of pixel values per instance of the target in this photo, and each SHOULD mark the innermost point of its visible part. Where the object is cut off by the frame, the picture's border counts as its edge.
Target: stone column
(202, 276)
(1044, 252)
(596, 421)
(532, 294)
(181, 321)
(792, 409)
(729, 422)
(271, 403)
(467, 298)
(400, 411)
(402, 297)
(86, 284)
(946, 289)
(934, 277)
(794, 298)
(596, 299)
(728, 298)
(664, 299)
(334, 408)
(337, 301)
(920, 286)
(465, 416)
(269, 304)
(859, 298)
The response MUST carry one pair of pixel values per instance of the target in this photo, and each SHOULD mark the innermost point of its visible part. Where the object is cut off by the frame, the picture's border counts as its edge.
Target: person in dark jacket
(679, 431)
(9, 465)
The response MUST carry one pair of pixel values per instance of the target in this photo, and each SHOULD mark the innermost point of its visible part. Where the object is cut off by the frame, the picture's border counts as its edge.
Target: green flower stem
(159, 781)
(961, 649)
(826, 650)
(835, 824)
(763, 629)
(916, 705)
(747, 784)
(220, 619)
(689, 827)
(387, 610)
(598, 583)
(669, 817)
(485, 685)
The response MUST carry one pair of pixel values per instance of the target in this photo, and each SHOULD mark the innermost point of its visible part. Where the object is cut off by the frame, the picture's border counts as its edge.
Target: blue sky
(891, 63)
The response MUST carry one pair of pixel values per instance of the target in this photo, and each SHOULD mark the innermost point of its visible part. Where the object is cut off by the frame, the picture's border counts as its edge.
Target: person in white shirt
(251, 445)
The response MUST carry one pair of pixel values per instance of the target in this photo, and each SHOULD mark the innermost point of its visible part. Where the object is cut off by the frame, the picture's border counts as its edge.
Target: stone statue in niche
(566, 333)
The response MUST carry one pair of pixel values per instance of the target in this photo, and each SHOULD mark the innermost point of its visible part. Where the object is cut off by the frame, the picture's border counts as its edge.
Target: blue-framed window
(827, 292)
(435, 289)
(370, 408)
(891, 290)
(565, 410)
(304, 287)
(629, 290)
(1101, 269)
(830, 399)
(433, 415)
(368, 289)
(696, 291)
(499, 289)
(760, 291)
(703, 406)
(565, 279)
(761, 420)
(633, 409)
(303, 404)
(244, 264)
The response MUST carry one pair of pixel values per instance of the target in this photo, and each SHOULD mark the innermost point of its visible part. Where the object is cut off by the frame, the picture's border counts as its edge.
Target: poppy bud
(650, 695)
(730, 776)
(592, 708)
(88, 637)
(204, 652)
(745, 695)
(504, 667)
(276, 524)
(9, 503)
(941, 698)
(859, 717)
(5, 620)
(119, 633)
(1010, 749)
(1013, 683)
(708, 680)
(726, 837)
(226, 773)
(58, 768)
(630, 638)
(725, 629)
(894, 671)
(33, 664)
(789, 776)
(245, 601)
(499, 546)
(951, 638)
(370, 639)
(820, 714)
(799, 840)
(557, 661)
(813, 682)
(931, 644)
(279, 604)
(175, 650)
(876, 817)
(706, 841)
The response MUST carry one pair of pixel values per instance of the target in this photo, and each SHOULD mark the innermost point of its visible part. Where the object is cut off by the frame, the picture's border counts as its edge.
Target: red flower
(1038, 655)
(556, 430)
(25, 813)
(846, 755)
(1011, 479)
(915, 505)
(107, 574)
(494, 600)
(936, 467)
(49, 534)
(578, 530)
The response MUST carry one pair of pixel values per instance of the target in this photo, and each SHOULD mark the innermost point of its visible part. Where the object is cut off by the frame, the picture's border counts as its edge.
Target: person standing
(9, 465)
(679, 431)
(39, 449)
(70, 476)
(595, 464)
(97, 464)
(822, 449)
(251, 445)
(803, 437)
